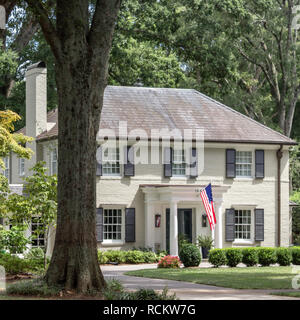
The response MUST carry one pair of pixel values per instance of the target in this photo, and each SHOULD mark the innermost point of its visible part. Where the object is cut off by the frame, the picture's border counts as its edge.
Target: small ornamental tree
(37, 202)
(10, 142)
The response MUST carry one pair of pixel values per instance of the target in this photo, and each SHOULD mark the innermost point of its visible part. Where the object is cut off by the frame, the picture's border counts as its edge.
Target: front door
(184, 225)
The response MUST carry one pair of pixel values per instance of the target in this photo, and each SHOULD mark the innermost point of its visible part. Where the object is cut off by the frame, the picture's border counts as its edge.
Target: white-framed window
(53, 161)
(243, 224)
(21, 167)
(7, 167)
(111, 162)
(178, 165)
(244, 164)
(37, 233)
(112, 225)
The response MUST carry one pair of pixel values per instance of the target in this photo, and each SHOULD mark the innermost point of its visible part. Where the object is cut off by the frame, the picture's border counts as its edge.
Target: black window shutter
(129, 161)
(259, 163)
(168, 155)
(230, 163)
(99, 224)
(1, 221)
(230, 225)
(259, 225)
(130, 225)
(194, 164)
(99, 161)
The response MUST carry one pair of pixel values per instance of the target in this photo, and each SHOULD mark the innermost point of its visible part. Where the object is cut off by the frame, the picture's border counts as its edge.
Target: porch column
(219, 226)
(173, 229)
(149, 225)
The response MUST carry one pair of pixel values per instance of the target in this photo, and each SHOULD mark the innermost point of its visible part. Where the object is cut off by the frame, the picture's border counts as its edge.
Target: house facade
(158, 148)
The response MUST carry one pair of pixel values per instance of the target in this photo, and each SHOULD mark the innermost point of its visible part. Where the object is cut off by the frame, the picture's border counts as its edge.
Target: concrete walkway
(185, 290)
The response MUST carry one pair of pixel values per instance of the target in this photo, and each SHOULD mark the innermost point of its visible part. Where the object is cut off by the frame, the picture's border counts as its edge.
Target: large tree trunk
(81, 53)
(74, 262)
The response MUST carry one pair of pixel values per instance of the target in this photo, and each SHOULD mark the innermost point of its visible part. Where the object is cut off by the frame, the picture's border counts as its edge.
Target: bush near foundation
(189, 255)
(266, 256)
(217, 257)
(295, 251)
(130, 256)
(250, 257)
(233, 256)
(168, 261)
(284, 256)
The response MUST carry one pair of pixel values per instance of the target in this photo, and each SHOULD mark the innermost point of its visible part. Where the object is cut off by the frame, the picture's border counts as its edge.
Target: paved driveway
(185, 290)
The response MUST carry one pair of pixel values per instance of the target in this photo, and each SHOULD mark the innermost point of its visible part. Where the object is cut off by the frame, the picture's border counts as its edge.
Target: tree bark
(74, 261)
(81, 53)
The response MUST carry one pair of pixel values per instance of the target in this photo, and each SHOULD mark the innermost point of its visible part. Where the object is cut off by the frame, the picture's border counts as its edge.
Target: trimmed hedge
(266, 256)
(284, 256)
(295, 255)
(130, 256)
(234, 256)
(217, 257)
(189, 255)
(250, 256)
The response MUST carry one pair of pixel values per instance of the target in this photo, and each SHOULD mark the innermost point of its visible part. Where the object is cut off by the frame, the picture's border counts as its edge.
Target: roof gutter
(279, 157)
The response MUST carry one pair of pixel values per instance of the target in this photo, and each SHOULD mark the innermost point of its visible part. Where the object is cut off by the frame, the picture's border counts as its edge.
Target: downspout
(279, 156)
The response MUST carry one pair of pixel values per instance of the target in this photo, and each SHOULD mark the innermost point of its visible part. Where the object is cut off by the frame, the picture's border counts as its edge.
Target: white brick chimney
(36, 99)
(36, 105)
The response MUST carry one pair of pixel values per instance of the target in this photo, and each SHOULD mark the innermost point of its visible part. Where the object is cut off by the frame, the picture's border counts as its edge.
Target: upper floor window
(21, 167)
(243, 224)
(111, 161)
(53, 162)
(243, 163)
(178, 165)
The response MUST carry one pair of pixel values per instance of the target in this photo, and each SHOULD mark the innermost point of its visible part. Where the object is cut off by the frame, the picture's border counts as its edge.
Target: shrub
(13, 240)
(295, 255)
(284, 256)
(102, 258)
(134, 256)
(190, 255)
(250, 257)
(233, 256)
(169, 262)
(150, 257)
(115, 291)
(115, 256)
(35, 253)
(36, 287)
(217, 257)
(182, 240)
(14, 264)
(266, 256)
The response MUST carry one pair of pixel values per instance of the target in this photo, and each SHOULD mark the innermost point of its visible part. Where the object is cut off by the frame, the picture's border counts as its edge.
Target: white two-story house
(153, 197)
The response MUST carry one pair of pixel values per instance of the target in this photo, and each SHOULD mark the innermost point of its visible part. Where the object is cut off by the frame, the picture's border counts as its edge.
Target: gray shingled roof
(149, 108)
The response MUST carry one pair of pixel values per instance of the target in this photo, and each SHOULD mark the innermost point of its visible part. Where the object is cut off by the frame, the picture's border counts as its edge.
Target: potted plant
(206, 243)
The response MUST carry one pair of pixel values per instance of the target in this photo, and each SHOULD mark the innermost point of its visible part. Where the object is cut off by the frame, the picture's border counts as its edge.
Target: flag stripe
(207, 199)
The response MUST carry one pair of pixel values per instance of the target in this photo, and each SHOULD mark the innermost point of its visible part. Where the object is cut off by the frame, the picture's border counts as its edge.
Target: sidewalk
(185, 290)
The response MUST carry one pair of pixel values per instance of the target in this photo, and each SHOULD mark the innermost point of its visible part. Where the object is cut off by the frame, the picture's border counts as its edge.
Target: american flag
(207, 199)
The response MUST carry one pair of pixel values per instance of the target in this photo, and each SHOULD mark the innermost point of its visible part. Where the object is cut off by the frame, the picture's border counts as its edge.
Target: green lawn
(237, 278)
(295, 294)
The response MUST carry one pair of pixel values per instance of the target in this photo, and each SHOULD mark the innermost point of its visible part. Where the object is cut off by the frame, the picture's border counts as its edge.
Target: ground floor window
(112, 224)
(37, 233)
(243, 224)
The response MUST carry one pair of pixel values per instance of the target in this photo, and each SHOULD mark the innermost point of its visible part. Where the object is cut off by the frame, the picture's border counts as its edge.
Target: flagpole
(213, 234)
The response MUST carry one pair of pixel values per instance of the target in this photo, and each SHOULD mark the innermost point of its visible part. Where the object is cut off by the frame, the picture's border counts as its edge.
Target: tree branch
(29, 28)
(103, 23)
(47, 26)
